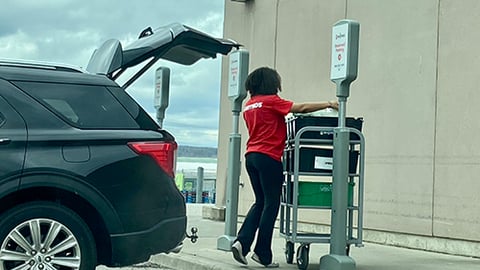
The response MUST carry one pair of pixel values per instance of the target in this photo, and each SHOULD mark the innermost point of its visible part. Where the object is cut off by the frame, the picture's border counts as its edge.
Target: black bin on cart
(294, 124)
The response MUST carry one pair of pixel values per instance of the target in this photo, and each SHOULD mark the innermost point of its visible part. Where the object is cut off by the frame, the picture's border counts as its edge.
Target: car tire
(45, 235)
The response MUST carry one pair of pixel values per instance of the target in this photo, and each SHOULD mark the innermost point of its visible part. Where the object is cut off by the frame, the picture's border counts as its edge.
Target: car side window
(63, 108)
(2, 119)
(83, 106)
(9, 118)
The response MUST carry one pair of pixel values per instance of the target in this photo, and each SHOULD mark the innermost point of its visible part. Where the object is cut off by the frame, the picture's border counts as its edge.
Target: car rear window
(141, 117)
(83, 106)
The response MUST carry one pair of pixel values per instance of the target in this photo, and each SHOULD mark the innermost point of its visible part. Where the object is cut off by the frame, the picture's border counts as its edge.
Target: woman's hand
(333, 105)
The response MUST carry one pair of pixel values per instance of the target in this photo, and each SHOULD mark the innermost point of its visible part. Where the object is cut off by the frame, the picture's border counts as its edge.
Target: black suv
(86, 176)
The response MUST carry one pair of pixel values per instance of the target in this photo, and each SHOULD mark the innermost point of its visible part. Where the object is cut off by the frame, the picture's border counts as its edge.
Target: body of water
(191, 164)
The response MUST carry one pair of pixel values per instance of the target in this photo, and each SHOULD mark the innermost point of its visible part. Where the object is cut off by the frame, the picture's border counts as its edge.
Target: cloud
(18, 45)
(68, 31)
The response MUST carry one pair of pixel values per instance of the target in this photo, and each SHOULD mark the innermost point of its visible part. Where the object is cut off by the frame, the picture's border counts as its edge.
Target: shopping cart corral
(308, 166)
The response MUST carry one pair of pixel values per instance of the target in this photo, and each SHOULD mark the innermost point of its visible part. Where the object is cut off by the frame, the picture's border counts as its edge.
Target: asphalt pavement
(204, 255)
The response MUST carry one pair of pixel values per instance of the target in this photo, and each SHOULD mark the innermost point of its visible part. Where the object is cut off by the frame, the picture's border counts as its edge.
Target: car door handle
(5, 141)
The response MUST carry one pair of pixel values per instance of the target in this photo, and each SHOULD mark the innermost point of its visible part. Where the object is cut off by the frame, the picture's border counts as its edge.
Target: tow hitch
(193, 237)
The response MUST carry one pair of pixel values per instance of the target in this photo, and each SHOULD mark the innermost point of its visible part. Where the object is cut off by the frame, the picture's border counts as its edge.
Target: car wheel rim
(40, 244)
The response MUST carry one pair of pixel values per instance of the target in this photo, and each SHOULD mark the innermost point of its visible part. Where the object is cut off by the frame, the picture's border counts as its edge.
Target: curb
(188, 261)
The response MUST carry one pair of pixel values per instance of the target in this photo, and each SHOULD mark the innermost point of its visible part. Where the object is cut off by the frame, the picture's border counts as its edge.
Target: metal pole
(233, 179)
(343, 71)
(160, 117)
(338, 259)
(238, 71)
(341, 135)
(199, 185)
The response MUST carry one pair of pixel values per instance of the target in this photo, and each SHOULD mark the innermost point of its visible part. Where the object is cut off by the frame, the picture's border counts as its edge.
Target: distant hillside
(194, 151)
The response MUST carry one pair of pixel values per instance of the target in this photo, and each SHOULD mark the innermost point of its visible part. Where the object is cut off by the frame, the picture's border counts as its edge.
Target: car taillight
(164, 153)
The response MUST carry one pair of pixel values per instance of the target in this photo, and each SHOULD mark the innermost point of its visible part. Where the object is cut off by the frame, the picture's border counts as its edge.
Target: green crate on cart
(319, 193)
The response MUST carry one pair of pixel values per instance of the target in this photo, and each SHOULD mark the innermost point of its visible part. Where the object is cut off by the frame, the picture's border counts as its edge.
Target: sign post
(162, 92)
(238, 72)
(345, 34)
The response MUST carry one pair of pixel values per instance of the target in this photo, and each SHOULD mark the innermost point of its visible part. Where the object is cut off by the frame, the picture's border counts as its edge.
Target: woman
(264, 115)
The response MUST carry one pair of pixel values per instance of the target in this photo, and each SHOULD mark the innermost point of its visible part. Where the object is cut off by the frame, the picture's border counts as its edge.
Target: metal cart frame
(289, 205)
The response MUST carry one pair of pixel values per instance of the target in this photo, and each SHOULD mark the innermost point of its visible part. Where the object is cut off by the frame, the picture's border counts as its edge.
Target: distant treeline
(194, 151)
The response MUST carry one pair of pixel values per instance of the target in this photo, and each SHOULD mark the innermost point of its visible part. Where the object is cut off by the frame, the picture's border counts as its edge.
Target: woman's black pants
(266, 178)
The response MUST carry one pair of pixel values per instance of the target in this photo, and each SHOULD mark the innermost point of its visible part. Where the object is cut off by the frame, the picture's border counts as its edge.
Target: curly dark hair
(263, 81)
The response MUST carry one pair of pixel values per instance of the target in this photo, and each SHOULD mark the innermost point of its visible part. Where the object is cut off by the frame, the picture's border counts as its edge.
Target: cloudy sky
(68, 31)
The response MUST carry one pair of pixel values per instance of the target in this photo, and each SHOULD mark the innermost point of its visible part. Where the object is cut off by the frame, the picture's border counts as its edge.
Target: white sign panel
(339, 52)
(233, 75)
(162, 86)
(158, 87)
(323, 163)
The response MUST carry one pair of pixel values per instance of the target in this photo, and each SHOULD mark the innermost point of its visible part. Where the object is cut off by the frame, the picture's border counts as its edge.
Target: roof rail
(38, 65)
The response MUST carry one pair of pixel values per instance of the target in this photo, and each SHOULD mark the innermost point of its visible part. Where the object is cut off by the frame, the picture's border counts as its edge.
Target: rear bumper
(136, 247)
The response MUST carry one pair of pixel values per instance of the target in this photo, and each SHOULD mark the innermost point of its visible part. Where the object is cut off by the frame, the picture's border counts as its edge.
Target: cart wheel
(289, 250)
(347, 250)
(302, 256)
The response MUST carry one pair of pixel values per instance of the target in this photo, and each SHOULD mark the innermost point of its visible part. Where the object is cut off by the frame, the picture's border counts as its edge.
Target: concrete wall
(416, 89)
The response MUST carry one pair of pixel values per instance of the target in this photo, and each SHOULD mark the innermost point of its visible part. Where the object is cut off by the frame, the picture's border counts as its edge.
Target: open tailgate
(175, 42)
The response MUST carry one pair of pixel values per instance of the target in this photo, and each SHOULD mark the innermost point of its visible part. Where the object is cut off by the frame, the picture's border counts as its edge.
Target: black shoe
(238, 253)
(270, 265)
